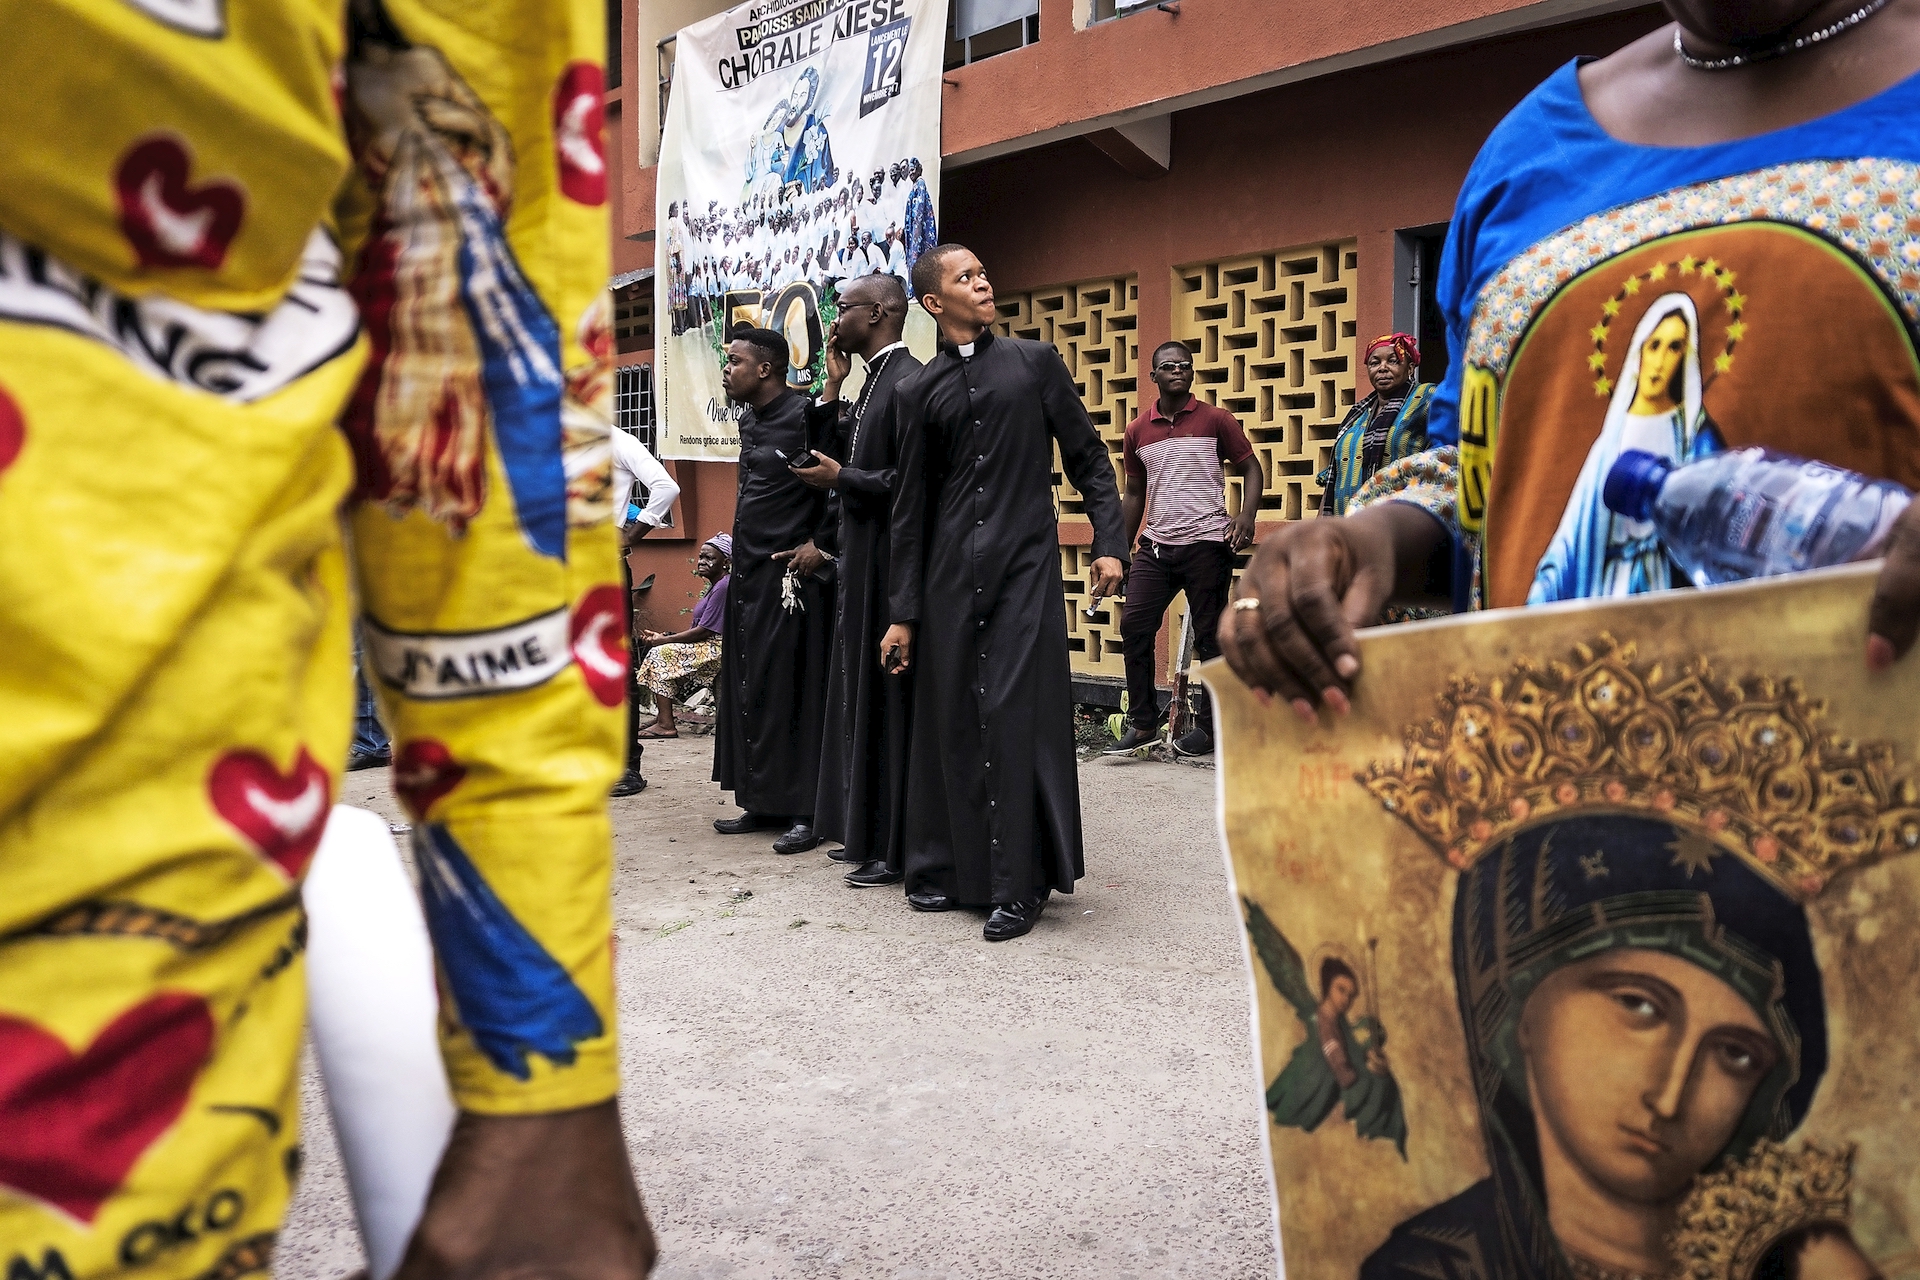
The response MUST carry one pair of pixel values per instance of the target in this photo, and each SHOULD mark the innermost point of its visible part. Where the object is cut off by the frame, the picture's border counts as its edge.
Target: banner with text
(802, 150)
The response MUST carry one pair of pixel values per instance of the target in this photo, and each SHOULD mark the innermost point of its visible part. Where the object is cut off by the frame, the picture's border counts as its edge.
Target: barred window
(633, 404)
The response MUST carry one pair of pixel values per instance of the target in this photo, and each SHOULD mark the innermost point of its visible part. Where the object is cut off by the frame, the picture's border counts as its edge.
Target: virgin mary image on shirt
(1655, 407)
(1638, 986)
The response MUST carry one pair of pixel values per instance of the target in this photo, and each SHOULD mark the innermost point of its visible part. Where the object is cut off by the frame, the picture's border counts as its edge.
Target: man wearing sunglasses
(1176, 456)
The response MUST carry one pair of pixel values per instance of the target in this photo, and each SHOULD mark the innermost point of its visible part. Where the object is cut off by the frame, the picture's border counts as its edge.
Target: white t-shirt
(631, 462)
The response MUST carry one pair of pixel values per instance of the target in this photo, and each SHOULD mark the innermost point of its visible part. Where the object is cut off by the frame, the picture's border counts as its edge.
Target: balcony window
(633, 313)
(979, 29)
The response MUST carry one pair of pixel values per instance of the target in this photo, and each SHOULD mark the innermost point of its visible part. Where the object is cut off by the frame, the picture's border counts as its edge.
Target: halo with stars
(1684, 269)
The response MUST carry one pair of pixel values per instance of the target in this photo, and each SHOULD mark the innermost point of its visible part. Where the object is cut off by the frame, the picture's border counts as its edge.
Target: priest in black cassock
(993, 795)
(778, 635)
(863, 759)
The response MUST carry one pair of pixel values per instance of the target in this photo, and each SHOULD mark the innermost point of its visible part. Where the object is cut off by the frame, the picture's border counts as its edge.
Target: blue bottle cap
(1634, 482)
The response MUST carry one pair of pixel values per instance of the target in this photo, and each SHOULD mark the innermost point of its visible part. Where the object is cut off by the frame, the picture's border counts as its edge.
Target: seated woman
(677, 664)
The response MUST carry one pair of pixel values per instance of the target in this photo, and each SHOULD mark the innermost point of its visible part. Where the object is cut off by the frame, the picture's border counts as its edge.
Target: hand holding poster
(1585, 946)
(802, 150)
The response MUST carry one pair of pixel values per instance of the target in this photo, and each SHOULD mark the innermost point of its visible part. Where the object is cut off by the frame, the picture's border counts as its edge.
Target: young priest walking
(993, 796)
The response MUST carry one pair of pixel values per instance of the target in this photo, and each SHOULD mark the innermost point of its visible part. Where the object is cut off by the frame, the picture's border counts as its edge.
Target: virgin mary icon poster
(1589, 944)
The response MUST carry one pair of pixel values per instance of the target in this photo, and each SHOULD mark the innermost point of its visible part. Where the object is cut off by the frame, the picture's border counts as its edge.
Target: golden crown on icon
(1731, 1218)
(1745, 764)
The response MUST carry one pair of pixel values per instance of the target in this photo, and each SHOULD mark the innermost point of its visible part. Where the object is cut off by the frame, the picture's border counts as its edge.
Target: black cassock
(863, 771)
(993, 796)
(773, 663)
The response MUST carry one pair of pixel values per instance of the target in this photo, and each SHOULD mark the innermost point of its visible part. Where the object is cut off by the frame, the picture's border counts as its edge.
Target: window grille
(633, 404)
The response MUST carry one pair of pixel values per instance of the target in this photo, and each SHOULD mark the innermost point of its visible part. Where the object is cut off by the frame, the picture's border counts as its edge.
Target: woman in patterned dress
(683, 661)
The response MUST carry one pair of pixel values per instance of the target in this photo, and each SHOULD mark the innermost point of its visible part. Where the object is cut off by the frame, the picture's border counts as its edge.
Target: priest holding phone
(863, 758)
(978, 614)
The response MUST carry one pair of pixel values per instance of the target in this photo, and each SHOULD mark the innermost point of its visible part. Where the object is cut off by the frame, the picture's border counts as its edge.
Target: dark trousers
(1204, 570)
(369, 735)
(633, 667)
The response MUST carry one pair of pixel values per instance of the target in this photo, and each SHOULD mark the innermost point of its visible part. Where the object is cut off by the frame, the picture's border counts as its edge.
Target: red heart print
(76, 1123)
(13, 430)
(579, 132)
(599, 639)
(169, 223)
(283, 815)
(423, 772)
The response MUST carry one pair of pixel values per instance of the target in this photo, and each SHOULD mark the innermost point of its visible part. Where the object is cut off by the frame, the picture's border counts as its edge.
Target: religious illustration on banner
(801, 150)
(1585, 946)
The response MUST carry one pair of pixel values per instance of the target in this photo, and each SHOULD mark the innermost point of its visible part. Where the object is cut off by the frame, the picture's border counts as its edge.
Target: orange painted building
(1268, 179)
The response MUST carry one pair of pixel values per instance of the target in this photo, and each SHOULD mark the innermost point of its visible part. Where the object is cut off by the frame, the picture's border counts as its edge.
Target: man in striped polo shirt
(1176, 455)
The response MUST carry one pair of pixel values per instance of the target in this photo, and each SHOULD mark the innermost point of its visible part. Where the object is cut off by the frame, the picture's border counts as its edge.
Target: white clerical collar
(966, 350)
(891, 346)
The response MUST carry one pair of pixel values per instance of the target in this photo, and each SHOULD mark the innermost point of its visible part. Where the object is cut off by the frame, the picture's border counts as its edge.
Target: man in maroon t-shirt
(1176, 453)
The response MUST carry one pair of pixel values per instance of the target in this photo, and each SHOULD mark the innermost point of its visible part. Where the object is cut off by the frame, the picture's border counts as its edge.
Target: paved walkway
(822, 1083)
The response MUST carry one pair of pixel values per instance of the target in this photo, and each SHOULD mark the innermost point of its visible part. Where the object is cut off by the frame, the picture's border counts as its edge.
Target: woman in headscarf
(680, 662)
(1386, 426)
(1656, 408)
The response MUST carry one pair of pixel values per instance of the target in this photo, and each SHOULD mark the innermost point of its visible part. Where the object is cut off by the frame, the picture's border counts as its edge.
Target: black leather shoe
(872, 875)
(1131, 741)
(931, 902)
(745, 824)
(799, 838)
(1013, 919)
(842, 855)
(630, 784)
(1195, 742)
(368, 760)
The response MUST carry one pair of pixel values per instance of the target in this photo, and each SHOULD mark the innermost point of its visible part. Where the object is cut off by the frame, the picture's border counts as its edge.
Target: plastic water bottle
(1753, 513)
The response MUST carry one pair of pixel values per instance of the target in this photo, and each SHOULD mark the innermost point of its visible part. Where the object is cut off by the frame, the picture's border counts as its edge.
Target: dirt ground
(820, 1082)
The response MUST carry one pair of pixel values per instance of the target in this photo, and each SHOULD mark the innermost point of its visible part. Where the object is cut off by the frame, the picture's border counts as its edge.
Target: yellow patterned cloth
(299, 306)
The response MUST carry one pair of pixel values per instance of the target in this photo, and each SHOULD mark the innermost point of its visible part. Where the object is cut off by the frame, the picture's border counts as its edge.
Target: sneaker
(1194, 742)
(630, 784)
(1132, 740)
(369, 760)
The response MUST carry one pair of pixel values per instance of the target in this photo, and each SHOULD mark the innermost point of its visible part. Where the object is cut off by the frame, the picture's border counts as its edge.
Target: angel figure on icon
(1343, 1058)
